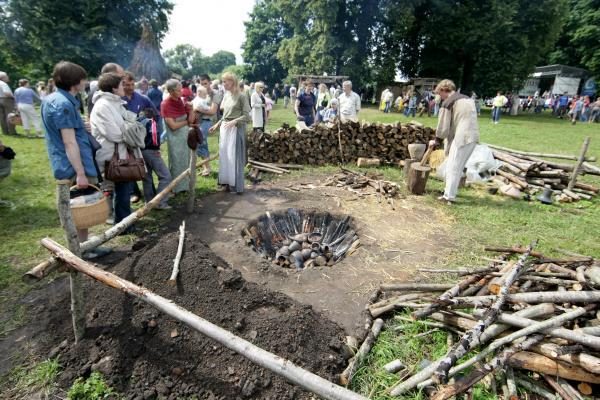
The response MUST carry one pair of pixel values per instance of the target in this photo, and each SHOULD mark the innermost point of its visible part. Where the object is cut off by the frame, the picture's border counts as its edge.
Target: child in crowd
(268, 106)
(200, 102)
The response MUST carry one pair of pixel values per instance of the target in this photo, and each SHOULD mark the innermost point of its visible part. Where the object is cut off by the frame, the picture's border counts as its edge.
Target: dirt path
(393, 243)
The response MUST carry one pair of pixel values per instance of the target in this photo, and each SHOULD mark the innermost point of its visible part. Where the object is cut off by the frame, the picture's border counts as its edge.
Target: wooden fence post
(66, 221)
(192, 187)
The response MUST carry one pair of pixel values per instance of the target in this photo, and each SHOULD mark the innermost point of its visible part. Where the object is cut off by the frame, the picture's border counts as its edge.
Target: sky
(210, 25)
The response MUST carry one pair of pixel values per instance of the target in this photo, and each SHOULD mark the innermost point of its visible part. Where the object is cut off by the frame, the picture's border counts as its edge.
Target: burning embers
(301, 239)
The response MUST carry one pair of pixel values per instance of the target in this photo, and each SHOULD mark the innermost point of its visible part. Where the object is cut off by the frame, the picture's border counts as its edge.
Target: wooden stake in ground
(66, 220)
(177, 260)
(278, 365)
(586, 144)
(192, 188)
(346, 376)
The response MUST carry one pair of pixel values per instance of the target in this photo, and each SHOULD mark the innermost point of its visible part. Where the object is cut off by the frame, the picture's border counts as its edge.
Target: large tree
(264, 32)
(186, 60)
(219, 60)
(88, 32)
(578, 44)
(482, 45)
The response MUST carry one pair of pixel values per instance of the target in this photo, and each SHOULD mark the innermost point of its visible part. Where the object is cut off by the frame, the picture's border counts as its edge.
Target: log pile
(524, 315)
(531, 175)
(340, 143)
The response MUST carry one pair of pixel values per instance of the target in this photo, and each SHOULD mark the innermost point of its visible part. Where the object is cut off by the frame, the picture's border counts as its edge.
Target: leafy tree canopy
(483, 45)
(188, 61)
(87, 32)
(579, 42)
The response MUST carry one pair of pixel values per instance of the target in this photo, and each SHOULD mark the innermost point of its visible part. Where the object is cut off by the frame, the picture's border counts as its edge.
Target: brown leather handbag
(129, 169)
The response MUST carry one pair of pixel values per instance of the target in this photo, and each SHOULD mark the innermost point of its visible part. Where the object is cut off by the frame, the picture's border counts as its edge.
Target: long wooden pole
(528, 153)
(177, 260)
(272, 362)
(66, 220)
(584, 148)
(46, 267)
(192, 188)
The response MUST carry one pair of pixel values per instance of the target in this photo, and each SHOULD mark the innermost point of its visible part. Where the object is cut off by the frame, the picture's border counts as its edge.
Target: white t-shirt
(5, 90)
(349, 104)
(200, 104)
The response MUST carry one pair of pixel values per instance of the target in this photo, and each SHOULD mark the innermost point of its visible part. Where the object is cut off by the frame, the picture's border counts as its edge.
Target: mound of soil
(144, 354)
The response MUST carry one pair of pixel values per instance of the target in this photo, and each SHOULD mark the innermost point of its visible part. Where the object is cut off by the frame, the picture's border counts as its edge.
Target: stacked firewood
(535, 318)
(337, 143)
(530, 174)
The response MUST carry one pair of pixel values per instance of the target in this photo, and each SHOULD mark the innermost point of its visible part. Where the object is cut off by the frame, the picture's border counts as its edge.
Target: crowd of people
(129, 118)
(573, 108)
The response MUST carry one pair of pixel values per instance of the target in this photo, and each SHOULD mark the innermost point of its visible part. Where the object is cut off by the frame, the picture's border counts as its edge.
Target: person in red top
(177, 116)
(186, 92)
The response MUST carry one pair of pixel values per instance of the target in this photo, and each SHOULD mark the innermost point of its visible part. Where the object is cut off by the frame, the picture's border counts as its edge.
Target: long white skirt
(232, 156)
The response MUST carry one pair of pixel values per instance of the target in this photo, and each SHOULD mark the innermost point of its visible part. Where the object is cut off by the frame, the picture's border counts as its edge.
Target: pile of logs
(339, 143)
(535, 318)
(363, 184)
(531, 174)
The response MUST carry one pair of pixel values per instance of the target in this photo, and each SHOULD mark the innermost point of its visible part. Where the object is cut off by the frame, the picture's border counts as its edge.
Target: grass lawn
(478, 219)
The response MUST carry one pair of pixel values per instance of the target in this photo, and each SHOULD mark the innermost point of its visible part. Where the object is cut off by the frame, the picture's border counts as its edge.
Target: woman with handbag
(176, 116)
(232, 137)
(108, 124)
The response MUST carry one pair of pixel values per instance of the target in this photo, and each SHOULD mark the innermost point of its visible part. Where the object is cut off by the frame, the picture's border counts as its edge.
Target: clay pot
(320, 261)
(306, 253)
(417, 150)
(302, 237)
(316, 246)
(314, 254)
(284, 251)
(315, 237)
(286, 242)
(297, 259)
(294, 246)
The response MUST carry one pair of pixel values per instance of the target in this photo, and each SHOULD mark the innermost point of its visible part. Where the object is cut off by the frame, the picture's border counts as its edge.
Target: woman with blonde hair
(232, 135)
(258, 104)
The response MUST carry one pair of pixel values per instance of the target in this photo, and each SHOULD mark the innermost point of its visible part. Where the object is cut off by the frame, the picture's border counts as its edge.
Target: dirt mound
(145, 354)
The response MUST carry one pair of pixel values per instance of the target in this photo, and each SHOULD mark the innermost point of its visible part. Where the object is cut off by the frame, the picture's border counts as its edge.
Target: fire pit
(301, 238)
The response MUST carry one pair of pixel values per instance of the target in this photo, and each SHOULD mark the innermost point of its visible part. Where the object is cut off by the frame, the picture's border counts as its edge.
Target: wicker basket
(87, 215)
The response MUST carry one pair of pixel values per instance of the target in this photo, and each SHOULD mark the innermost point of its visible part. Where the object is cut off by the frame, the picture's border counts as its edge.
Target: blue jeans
(155, 163)
(121, 200)
(496, 114)
(308, 119)
(388, 106)
(202, 150)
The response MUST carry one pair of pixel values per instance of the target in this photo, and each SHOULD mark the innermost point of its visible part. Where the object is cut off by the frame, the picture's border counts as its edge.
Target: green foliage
(87, 32)
(481, 45)
(37, 381)
(92, 388)
(578, 42)
(264, 32)
(188, 61)
(220, 60)
(237, 70)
